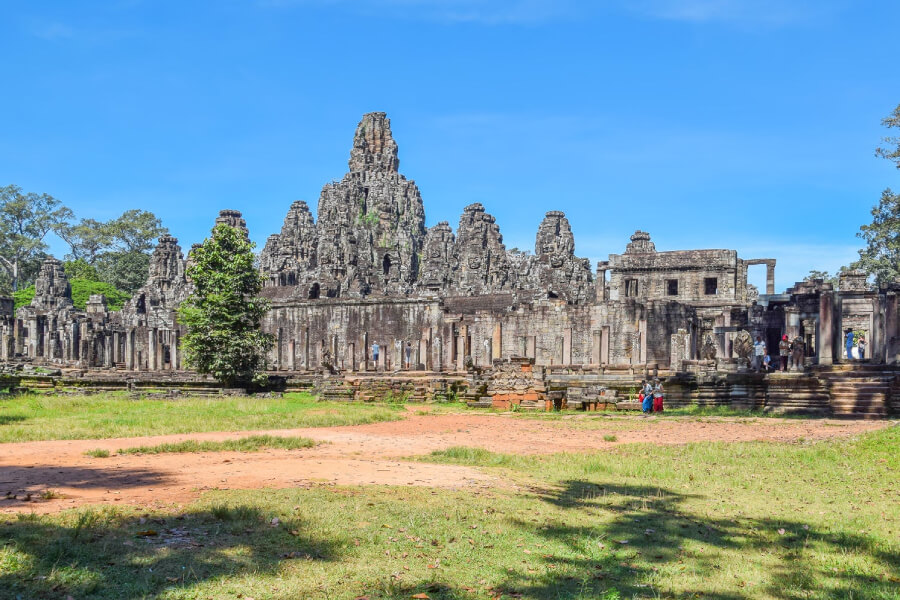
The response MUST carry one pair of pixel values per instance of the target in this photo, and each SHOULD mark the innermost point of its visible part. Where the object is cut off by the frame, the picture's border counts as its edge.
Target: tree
(891, 121)
(881, 256)
(119, 249)
(223, 312)
(87, 240)
(25, 220)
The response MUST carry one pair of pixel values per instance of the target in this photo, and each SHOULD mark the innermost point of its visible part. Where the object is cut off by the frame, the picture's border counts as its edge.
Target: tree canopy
(223, 312)
(892, 121)
(25, 220)
(119, 250)
(880, 259)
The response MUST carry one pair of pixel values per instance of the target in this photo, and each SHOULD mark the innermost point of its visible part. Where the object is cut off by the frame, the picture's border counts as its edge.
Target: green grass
(711, 520)
(97, 453)
(253, 443)
(33, 417)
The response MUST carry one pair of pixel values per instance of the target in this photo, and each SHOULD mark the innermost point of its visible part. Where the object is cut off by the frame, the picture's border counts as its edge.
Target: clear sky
(745, 124)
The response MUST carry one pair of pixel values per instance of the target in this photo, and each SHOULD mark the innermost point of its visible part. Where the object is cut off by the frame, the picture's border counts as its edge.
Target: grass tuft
(253, 443)
(97, 453)
(609, 438)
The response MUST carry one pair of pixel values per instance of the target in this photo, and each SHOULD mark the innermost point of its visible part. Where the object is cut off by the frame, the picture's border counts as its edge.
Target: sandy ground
(355, 455)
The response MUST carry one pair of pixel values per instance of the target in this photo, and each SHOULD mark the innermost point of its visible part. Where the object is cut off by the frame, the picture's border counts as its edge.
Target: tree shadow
(7, 419)
(651, 526)
(103, 553)
(24, 481)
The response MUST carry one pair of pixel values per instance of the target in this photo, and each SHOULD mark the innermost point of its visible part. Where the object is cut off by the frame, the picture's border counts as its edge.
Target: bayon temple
(367, 270)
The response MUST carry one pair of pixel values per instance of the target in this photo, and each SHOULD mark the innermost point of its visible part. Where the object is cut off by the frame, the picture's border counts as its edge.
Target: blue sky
(745, 124)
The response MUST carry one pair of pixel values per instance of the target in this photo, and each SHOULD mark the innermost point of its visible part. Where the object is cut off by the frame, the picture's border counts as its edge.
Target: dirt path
(356, 455)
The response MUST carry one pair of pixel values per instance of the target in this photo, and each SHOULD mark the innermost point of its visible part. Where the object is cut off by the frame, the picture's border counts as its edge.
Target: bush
(82, 289)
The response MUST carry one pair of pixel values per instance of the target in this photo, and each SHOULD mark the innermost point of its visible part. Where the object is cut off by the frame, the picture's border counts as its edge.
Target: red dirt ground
(355, 455)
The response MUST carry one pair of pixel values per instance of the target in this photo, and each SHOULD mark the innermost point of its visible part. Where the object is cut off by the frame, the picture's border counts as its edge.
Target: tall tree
(25, 220)
(892, 121)
(87, 239)
(119, 249)
(224, 311)
(881, 256)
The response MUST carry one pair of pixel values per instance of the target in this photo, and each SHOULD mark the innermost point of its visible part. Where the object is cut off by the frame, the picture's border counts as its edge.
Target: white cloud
(745, 12)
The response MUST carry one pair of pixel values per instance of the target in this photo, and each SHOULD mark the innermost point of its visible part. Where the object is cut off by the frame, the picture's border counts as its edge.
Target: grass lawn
(712, 520)
(33, 417)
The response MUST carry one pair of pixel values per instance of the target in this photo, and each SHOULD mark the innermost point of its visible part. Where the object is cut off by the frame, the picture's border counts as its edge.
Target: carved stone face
(474, 263)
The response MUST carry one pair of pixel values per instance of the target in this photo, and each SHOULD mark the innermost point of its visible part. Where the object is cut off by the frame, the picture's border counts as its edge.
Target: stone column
(825, 335)
(175, 350)
(891, 330)
(497, 342)
(129, 350)
(567, 346)
(602, 267)
(642, 327)
(770, 277)
(151, 349)
(460, 352)
(604, 346)
(292, 349)
(596, 338)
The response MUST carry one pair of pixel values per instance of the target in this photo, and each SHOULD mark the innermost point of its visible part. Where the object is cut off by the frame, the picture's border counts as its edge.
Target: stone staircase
(862, 391)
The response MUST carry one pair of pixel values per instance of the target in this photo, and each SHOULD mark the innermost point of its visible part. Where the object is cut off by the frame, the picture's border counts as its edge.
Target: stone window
(711, 286)
(631, 288)
(671, 287)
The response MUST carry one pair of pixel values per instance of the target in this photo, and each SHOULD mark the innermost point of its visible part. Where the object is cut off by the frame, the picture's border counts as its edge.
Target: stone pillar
(460, 353)
(531, 347)
(151, 349)
(175, 350)
(891, 329)
(567, 346)
(770, 277)
(602, 267)
(497, 342)
(642, 328)
(825, 335)
(596, 340)
(292, 349)
(604, 346)
(791, 321)
(129, 350)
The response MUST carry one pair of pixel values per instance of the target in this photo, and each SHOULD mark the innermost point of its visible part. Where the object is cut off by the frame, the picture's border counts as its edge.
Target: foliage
(82, 290)
(125, 270)
(881, 256)
(824, 276)
(892, 154)
(119, 250)
(116, 415)
(223, 312)
(25, 220)
(81, 269)
(23, 297)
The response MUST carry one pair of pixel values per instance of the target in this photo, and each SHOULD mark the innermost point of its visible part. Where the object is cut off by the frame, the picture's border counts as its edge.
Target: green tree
(25, 220)
(892, 154)
(223, 312)
(119, 249)
(881, 256)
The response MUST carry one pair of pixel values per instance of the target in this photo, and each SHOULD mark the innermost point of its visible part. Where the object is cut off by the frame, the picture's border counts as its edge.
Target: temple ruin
(366, 269)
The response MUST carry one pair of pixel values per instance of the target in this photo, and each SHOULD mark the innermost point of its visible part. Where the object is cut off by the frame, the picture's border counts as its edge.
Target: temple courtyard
(117, 497)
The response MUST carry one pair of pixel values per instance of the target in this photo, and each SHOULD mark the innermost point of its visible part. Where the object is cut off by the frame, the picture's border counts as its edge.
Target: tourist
(861, 347)
(849, 338)
(767, 363)
(647, 400)
(759, 351)
(784, 350)
(375, 349)
(658, 396)
(408, 353)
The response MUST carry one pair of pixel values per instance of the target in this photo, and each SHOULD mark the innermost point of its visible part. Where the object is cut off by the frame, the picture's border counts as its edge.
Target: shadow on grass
(24, 480)
(651, 529)
(104, 553)
(7, 419)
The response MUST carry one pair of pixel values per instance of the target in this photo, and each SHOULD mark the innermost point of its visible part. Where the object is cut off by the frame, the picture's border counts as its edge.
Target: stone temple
(366, 269)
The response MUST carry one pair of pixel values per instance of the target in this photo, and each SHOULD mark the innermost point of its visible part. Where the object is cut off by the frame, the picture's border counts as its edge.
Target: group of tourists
(651, 396)
(762, 361)
(860, 345)
(376, 349)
